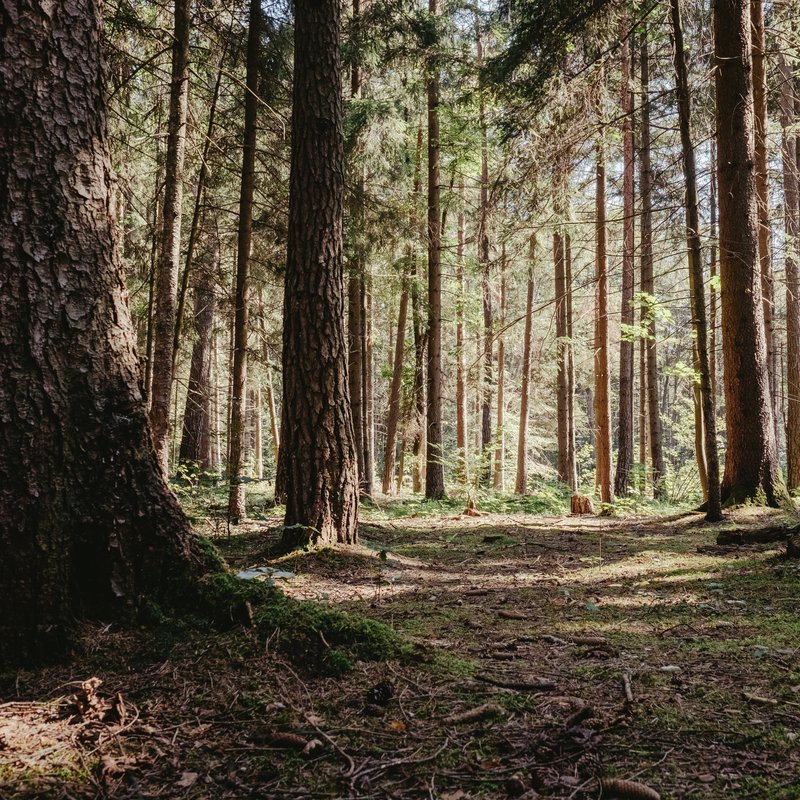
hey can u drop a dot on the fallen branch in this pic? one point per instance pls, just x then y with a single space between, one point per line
626 685
626 790
474 714
520 686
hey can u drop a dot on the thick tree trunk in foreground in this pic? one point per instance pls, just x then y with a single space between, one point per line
317 446
707 446
166 285
625 430
792 229
88 526
602 378
751 465
236 456
434 466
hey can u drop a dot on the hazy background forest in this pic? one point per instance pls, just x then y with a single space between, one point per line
518 156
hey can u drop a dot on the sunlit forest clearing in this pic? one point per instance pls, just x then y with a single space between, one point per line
399 399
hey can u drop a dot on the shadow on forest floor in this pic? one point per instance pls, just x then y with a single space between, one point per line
549 652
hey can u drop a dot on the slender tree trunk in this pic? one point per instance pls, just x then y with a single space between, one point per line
648 284
572 463
521 485
236 496
602 378
625 430
486 289
318 448
151 299
194 228
367 368
562 380
500 450
88 526
762 194
792 229
461 368
393 417
751 463
712 312
708 417
258 443
196 443
434 475
170 250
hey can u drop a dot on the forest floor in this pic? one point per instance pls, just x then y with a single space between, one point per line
545 653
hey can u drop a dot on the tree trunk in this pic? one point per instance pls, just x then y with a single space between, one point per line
521 485
170 251
258 438
625 431
562 381
196 442
368 412
486 289
434 475
792 229
461 367
602 378
194 228
88 526
648 284
708 445
759 74
318 449
393 417
236 496
751 466
355 371
500 450
712 303
572 465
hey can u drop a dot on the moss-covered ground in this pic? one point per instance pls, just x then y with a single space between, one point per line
446 656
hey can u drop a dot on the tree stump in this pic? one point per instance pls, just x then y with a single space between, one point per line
581 504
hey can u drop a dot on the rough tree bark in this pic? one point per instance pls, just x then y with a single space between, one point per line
318 443
759 74
707 445
196 442
498 479
521 485
602 377
648 283
166 279
562 421
461 354
434 466
625 429
792 229
236 445
751 466
88 527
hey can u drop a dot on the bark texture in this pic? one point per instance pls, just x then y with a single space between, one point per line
625 423
88 526
238 410
707 444
317 445
521 484
751 464
792 230
166 278
434 466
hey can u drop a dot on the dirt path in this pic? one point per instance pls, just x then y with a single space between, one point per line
548 653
